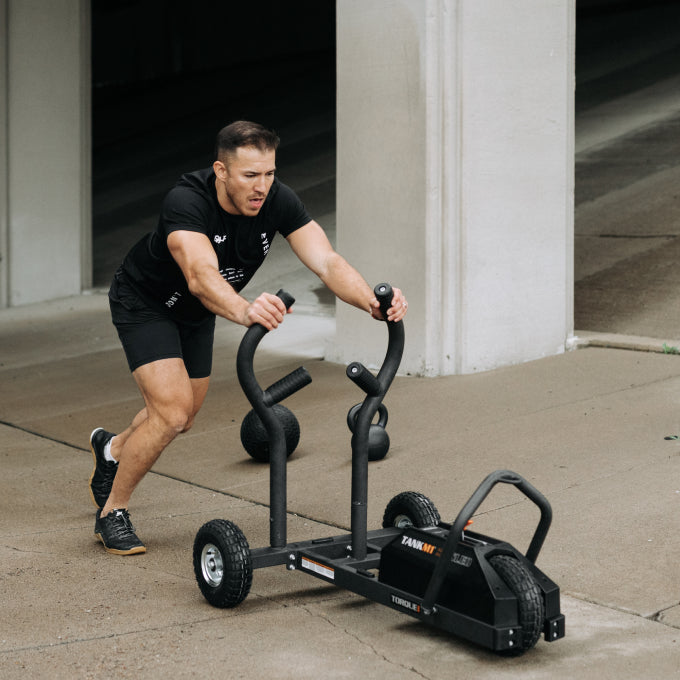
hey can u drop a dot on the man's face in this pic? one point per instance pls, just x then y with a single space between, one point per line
244 180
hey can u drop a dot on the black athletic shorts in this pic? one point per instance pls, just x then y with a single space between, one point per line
148 335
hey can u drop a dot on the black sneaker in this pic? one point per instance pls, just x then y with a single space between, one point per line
116 532
104 471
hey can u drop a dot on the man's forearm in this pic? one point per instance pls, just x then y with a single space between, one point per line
217 296
346 283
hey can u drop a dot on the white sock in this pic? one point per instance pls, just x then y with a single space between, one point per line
107 451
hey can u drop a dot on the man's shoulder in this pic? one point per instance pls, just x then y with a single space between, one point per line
285 209
193 189
190 205
281 195
201 182
281 190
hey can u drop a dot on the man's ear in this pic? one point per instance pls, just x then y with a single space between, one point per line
220 170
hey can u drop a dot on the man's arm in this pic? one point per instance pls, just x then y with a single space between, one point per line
197 260
315 251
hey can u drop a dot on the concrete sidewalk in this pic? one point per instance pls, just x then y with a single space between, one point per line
586 428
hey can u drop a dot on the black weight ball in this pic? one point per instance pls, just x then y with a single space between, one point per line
254 435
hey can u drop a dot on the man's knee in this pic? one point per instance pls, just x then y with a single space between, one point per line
183 416
171 407
173 419
187 425
179 420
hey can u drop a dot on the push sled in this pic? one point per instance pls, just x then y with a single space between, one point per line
478 588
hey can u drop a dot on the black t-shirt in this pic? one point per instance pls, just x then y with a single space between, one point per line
241 243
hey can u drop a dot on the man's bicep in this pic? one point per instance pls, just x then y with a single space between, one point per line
190 249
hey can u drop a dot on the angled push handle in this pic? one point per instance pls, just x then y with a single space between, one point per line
281 389
262 402
358 373
375 388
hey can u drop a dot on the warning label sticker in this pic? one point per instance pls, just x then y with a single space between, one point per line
317 567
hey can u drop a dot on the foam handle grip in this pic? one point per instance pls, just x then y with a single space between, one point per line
362 377
286 386
286 298
383 293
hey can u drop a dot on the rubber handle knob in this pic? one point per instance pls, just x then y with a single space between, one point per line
363 378
384 294
286 298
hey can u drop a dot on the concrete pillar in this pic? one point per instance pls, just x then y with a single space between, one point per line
455 176
4 213
46 223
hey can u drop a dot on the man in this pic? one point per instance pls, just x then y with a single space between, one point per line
214 231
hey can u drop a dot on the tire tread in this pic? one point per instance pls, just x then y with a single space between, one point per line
418 507
238 569
531 610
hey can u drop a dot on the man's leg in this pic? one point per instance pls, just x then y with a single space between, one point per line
172 400
199 388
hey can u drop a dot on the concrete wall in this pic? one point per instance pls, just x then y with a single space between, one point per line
4 172
45 241
455 169
4 214
455 175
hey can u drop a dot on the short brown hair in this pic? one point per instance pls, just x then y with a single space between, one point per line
244 133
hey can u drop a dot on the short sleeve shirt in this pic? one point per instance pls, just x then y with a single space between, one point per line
241 243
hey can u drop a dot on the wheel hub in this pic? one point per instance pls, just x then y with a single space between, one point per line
403 522
212 565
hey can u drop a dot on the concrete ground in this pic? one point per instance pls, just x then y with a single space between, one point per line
587 428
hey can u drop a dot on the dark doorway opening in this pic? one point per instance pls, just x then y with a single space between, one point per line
627 205
168 75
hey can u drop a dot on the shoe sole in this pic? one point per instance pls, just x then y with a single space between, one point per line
94 470
137 550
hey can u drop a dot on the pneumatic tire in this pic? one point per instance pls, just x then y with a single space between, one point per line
222 563
530 606
410 508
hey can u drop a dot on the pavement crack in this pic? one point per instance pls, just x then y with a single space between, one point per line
660 616
364 643
65 641
641 236
656 617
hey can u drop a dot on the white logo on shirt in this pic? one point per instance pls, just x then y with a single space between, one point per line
173 298
231 275
219 239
